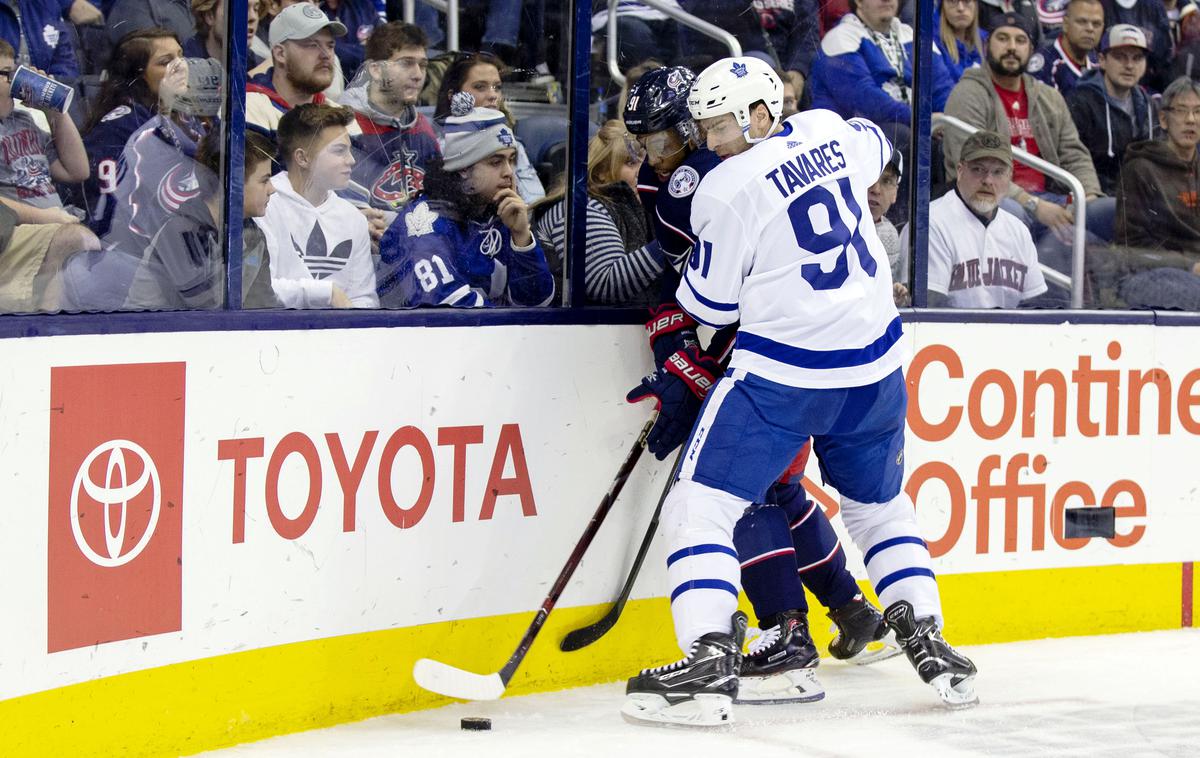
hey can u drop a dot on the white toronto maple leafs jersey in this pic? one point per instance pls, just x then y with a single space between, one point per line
786 245
315 247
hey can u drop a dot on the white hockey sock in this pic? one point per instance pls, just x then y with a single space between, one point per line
896 557
702 565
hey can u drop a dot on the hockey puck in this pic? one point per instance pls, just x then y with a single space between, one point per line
476 724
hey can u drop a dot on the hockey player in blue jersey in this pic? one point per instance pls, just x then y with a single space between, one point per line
786 540
785 248
466 240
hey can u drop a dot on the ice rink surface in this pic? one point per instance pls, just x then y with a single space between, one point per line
1126 696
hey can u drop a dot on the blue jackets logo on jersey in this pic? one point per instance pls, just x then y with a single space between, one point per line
683 182
177 187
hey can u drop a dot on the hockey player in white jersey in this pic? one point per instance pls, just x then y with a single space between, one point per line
786 247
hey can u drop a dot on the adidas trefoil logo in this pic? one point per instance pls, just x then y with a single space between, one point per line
322 262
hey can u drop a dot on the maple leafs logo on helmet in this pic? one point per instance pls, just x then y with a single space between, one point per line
735 85
739 70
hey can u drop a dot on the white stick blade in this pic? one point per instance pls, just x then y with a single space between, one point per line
451 682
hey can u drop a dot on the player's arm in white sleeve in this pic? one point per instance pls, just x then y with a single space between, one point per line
871 148
720 260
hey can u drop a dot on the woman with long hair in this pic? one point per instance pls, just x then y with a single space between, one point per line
127 100
622 266
958 37
480 75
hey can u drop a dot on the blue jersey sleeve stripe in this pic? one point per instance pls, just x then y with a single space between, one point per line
687 552
821 359
896 576
893 542
703 584
711 304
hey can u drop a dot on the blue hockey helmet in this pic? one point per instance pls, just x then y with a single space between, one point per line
658 101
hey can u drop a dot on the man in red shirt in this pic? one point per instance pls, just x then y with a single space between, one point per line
1002 97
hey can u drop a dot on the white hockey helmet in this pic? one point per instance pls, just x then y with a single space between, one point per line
733 85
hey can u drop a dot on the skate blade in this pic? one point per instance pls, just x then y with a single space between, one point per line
797 686
880 650
956 696
706 710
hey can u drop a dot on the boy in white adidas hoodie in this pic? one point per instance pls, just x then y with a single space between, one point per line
319 243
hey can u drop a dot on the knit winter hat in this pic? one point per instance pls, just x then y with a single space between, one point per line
473 134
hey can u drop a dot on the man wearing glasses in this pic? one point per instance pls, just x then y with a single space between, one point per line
1158 203
980 255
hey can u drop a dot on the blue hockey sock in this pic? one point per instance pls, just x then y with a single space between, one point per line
768 561
819 557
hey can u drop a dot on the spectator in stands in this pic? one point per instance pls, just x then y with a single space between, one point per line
1151 16
183 265
1177 11
980 255
302 54
269 9
864 67
128 99
478 74
127 16
643 33
34 244
157 171
791 27
880 197
1158 202
958 36
40 29
1063 61
31 160
1187 54
1109 108
622 266
257 190
793 90
321 247
1002 98
395 142
209 40
466 240
360 18
1050 16
990 10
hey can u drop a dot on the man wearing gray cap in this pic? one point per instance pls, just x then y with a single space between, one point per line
980 255
303 65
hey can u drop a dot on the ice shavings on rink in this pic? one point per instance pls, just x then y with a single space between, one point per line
1127 695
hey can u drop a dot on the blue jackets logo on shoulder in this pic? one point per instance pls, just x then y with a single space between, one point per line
683 182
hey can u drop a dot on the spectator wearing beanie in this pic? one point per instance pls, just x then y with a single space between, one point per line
466 240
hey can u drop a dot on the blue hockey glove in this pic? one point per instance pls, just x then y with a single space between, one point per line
678 388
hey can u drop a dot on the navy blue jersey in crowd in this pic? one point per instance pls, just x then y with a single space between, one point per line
669 204
157 175
390 161
430 258
105 145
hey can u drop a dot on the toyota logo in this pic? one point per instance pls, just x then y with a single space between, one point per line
114 494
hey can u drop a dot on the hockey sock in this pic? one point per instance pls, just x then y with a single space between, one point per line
896 557
768 561
702 564
820 560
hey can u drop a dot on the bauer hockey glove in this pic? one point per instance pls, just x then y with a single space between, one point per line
669 330
678 388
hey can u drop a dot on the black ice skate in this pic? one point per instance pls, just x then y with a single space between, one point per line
782 662
696 691
861 636
951 673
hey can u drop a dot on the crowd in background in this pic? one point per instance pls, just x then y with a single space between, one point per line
383 170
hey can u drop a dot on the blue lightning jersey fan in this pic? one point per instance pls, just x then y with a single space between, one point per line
786 244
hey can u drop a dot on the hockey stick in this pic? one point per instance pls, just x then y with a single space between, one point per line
584 636
465 685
